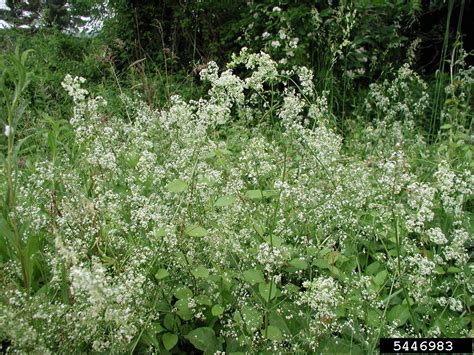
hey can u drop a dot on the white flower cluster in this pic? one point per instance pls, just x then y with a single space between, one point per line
272 258
457 249
436 236
322 295
453 188
420 200
404 98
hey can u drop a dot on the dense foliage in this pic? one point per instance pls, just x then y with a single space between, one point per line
309 192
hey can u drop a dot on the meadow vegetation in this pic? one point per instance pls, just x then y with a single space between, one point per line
276 201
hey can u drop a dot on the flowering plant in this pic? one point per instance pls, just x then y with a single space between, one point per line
237 222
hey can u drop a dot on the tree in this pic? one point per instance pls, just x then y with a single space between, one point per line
60 14
57 14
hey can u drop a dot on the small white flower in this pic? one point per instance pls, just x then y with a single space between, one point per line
7 130
276 9
437 236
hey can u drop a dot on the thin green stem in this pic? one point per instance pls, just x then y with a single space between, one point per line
442 63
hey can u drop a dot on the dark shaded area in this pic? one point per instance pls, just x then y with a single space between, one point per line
430 28
180 33
184 34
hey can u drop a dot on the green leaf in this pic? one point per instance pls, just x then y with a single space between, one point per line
183 309
183 292
399 313
204 300
162 274
200 272
156 328
267 290
453 269
204 339
270 193
300 264
171 321
259 228
260 194
149 338
372 268
273 333
349 264
182 304
224 201
254 194
273 240
194 230
373 317
338 273
176 186
321 263
169 340
253 276
24 56
185 314
379 279
278 321
252 318
217 310
292 288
